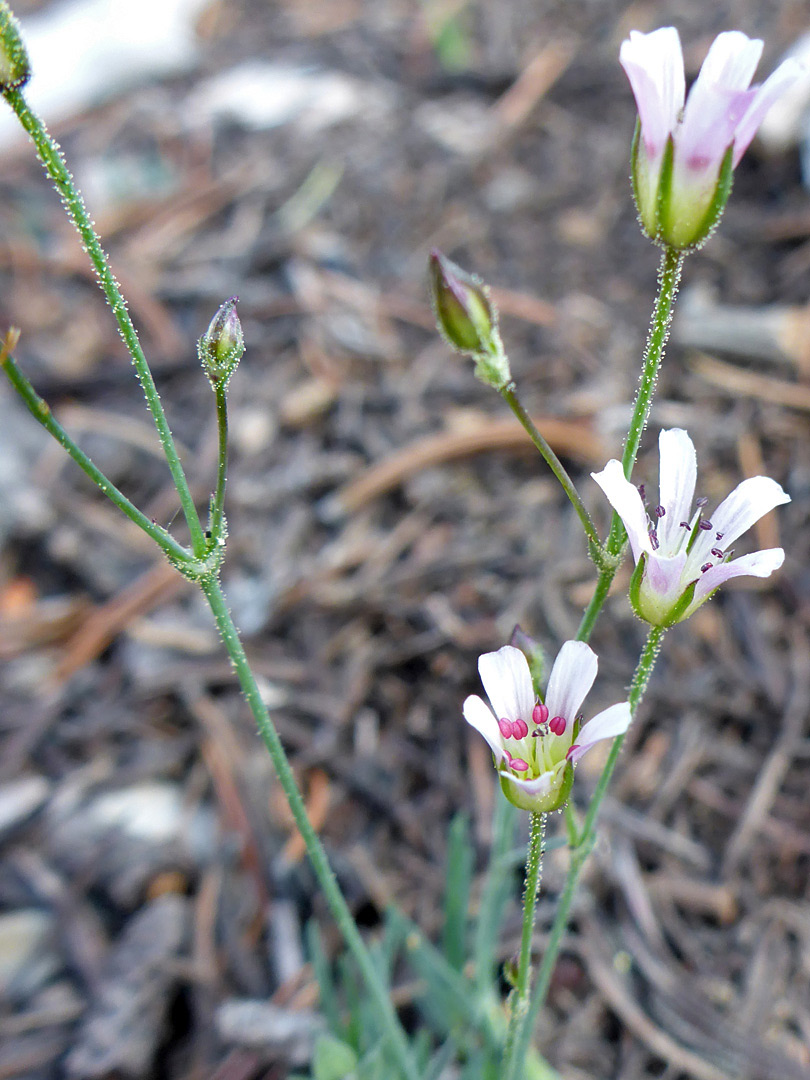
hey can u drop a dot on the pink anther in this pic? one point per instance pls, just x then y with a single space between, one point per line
520 729
571 750
505 728
540 713
557 724
518 764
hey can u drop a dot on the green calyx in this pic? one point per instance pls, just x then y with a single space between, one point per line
15 70
645 607
675 212
539 804
222 345
468 319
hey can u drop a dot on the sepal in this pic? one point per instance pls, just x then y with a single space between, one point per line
15 70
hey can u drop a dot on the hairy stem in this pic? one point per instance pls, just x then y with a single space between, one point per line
51 157
509 395
317 855
579 855
534 870
669 276
217 516
41 412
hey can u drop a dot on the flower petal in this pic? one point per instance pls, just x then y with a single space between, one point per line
540 785
778 83
626 501
718 100
508 683
759 564
676 487
571 678
605 725
479 715
654 65
730 62
664 576
747 503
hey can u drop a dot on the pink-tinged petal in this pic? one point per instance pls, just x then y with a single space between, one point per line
605 725
717 102
654 65
747 503
540 785
759 564
676 486
709 125
777 84
508 682
479 715
571 678
626 501
730 62
663 575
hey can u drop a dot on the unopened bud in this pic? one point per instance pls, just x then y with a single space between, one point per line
15 70
222 345
468 319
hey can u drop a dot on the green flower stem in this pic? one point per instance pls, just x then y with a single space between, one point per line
588 621
534 871
56 167
579 855
320 863
669 277
217 517
510 397
41 412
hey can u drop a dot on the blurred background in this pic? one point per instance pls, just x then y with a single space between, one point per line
388 522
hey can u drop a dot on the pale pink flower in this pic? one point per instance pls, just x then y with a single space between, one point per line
682 556
680 205
536 744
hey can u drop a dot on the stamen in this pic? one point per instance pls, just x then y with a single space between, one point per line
702 501
705 525
660 511
571 749
654 540
557 724
518 764
706 566
520 729
685 525
718 554
505 727
538 733
718 536
642 492
540 713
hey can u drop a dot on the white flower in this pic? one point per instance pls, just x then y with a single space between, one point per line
681 200
682 556
536 744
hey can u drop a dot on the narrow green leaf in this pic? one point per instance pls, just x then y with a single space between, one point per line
323 976
457 891
498 886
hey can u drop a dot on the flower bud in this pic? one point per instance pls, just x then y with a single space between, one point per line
222 345
15 70
468 319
